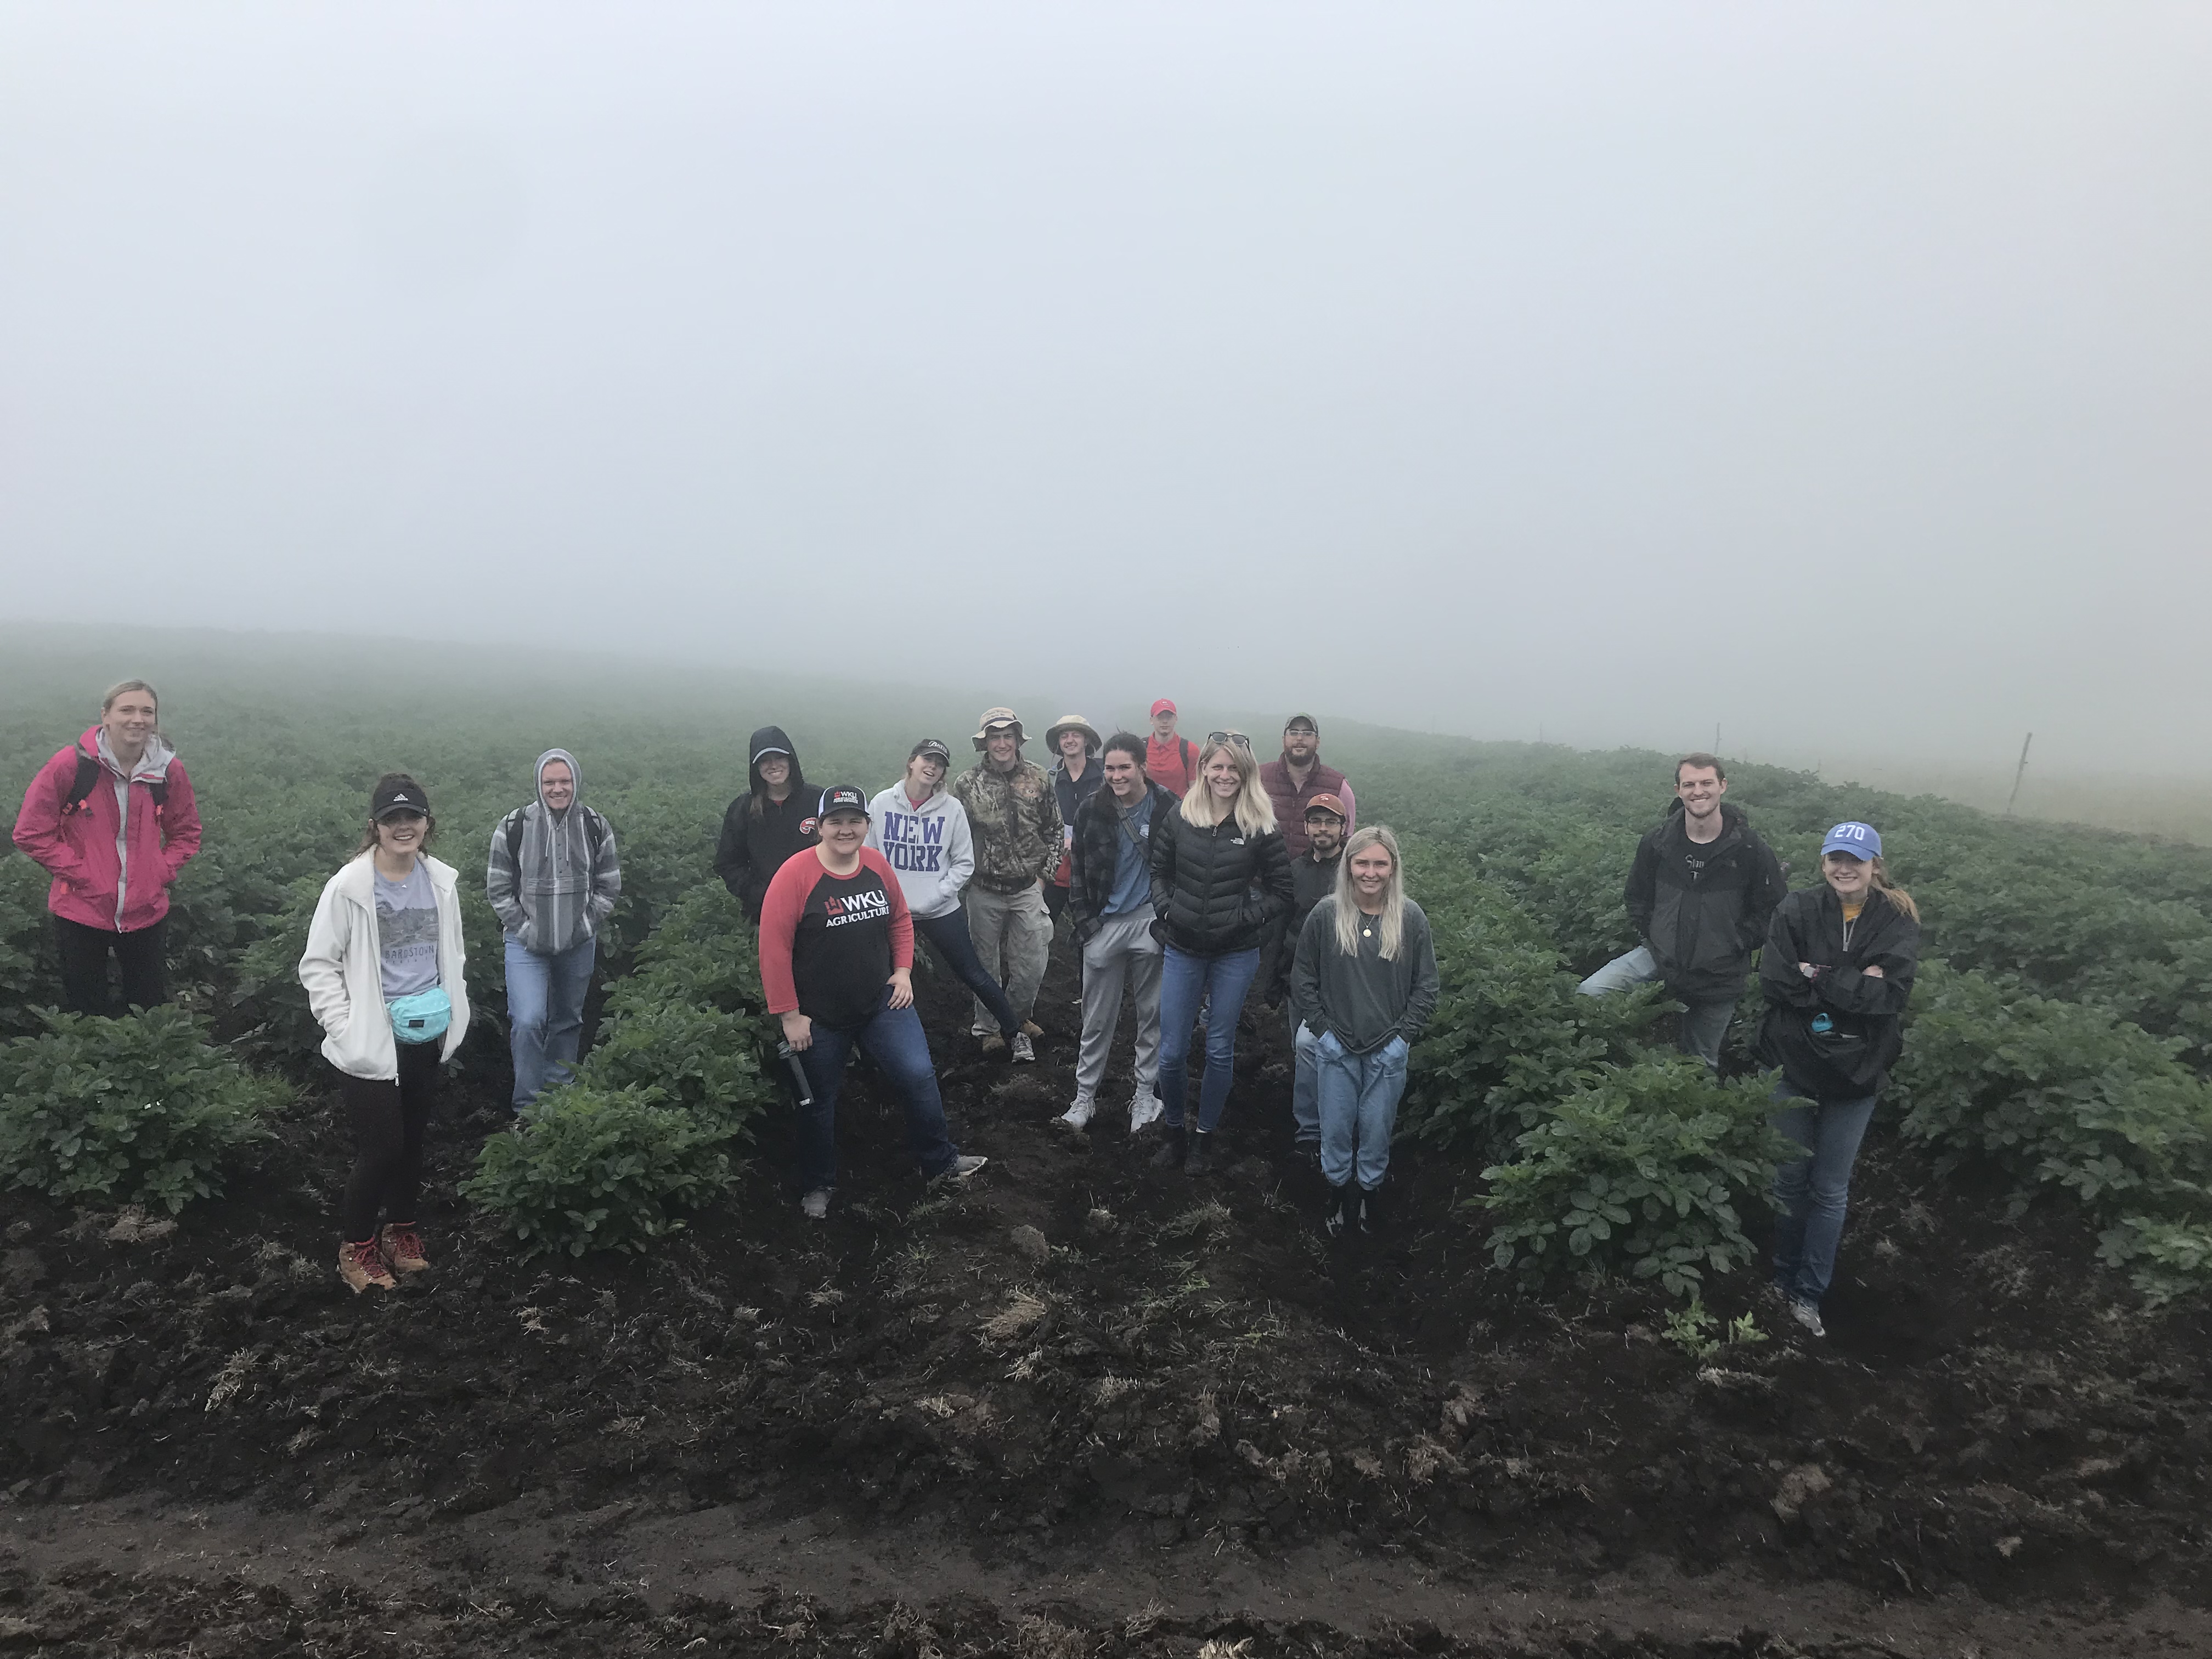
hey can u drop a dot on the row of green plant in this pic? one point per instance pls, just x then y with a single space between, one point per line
644 1134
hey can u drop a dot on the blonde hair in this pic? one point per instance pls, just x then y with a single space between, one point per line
107 702
1391 923
1897 896
1255 814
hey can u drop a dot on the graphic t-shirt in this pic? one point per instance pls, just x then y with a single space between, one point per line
829 944
407 932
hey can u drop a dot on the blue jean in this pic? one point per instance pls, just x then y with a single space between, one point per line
1702 1026
1305 1084
1811 1193
949 940
892 1037
1359 1109
545 1013
1185 981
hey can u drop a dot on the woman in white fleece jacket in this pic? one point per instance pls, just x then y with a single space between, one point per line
922 833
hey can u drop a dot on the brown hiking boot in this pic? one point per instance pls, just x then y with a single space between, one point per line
994 1044
361 1266
402 1249
1031 1029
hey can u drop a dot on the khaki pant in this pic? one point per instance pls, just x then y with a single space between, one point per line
1122 950
1013 936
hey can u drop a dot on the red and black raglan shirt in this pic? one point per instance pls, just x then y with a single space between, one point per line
829 943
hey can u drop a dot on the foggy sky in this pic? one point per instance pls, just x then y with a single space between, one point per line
1838 374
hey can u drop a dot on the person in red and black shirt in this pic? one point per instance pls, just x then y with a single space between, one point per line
836 953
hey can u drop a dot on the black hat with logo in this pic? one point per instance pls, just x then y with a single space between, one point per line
395 795
842 799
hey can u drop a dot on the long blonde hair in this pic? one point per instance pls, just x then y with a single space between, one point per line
1255 814
1880 881
1391 923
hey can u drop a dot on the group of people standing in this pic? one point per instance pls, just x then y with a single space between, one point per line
1185 872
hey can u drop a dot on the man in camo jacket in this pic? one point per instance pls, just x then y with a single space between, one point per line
1015 819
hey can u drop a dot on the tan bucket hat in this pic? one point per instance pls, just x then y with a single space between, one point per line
1072 723
998 717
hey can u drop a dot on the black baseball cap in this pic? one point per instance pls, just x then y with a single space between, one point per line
398 795
936 747
843 798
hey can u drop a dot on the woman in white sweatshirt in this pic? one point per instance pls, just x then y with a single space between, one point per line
922 833
383 975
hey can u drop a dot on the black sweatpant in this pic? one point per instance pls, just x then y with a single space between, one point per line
388 1121
83 951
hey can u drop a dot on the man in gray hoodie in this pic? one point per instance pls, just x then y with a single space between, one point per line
553 878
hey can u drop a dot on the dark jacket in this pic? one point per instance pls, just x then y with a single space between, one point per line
1098 853
1703 925
1215 890
1851 1059
759 833
1311 881
1072 793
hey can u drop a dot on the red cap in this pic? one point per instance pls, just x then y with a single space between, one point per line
1325 802
1164 707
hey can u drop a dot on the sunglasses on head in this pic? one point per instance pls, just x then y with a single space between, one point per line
1237 738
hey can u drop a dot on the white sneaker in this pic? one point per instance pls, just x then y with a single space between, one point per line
1808 1315
960 1168
1145 1111
1021 1049
1078 1116
816 1204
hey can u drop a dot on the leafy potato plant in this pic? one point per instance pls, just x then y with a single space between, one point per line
141 1109
1640 1171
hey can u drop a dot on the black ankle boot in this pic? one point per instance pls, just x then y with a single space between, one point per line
1333 1217
1371 1211
1200 1160
1170 1152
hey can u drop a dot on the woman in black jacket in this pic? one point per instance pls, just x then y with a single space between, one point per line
1220 874
768 823
1836 973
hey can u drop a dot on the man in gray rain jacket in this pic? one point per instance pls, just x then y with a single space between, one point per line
553 878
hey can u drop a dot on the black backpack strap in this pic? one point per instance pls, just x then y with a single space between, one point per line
89 770
595 832
511 826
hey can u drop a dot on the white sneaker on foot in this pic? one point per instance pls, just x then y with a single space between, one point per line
816 1204
1078 1116
1808 1315
960 1168
1145 1111
1021 1048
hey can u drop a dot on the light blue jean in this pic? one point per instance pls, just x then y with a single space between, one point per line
1359 1098
1812 1193
1185 981
545 1013
1305 1084
1702 1027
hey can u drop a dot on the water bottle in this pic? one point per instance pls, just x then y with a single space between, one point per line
799 1071
1822 1024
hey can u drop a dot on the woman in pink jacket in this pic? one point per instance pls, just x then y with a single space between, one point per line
111 819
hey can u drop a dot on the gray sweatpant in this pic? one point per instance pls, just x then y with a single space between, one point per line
1122 951
1012 934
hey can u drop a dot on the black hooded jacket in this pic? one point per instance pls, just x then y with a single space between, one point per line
1864 1012
759 833
1215 890
1704 920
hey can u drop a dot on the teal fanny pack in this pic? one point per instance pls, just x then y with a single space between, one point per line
421 1018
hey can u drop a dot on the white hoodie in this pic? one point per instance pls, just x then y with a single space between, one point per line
928 845
343 971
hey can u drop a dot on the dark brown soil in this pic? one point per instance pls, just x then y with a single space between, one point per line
1165 1372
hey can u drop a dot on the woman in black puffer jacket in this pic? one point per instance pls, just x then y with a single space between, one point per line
1219 876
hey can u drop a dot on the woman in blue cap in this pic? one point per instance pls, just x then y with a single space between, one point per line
1836 973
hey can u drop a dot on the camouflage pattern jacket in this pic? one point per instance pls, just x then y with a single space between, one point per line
1015 818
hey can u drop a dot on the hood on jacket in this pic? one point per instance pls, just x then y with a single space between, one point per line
1732 818
153 764
769 737
538 775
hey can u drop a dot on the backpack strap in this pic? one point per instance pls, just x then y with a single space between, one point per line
89 773
595 832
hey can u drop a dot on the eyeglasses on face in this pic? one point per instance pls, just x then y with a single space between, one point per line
1237 738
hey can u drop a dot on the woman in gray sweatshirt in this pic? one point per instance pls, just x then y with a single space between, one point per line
1366 984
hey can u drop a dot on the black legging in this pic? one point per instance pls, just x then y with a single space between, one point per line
388 1120
83 951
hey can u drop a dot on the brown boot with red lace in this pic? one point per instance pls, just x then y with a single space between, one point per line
403 1248
361 1266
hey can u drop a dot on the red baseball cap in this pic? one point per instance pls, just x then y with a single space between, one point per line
1325 802
1164 706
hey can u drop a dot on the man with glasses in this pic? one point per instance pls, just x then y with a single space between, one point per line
1292 782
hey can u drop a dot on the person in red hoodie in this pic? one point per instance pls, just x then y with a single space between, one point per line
111 819
836 959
